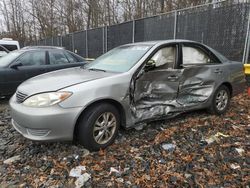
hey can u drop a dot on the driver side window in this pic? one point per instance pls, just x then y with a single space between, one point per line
35 58
165 58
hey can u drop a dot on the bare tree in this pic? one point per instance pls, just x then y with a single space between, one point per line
27 20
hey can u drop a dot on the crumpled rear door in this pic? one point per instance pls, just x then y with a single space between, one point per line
197 84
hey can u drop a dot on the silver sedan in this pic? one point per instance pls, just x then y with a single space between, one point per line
129 85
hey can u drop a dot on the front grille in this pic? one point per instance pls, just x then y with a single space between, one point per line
20 97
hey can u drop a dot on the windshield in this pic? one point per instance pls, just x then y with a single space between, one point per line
7 59
120 59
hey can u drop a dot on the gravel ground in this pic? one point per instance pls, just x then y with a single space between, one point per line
193 150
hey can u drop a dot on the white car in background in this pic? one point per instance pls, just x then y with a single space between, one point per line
3 51
7 45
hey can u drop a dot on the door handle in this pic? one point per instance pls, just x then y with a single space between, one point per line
219 71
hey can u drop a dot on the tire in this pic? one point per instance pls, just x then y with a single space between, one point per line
106 131
222 96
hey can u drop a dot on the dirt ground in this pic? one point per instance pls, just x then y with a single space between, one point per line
193 150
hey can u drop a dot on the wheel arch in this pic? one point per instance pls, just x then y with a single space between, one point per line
115 103
229 86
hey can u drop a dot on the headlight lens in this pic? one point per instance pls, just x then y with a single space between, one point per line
46 99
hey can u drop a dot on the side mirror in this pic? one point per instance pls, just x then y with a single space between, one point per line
150 64
16 65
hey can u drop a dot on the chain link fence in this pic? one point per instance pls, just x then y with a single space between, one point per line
222 26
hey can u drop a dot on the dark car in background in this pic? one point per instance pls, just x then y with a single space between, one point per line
20 65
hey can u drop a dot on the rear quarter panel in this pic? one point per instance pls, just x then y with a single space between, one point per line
236 76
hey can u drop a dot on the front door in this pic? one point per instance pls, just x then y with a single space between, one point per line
156 87
32 64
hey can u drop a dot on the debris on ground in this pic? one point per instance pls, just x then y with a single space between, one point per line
79 173
169 147
206 151
240 150
215 137
82 179
235 166
113 170
12 159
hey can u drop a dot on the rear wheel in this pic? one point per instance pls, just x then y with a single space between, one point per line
98 127
221 100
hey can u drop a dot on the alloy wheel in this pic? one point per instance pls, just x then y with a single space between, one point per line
221 100
104 127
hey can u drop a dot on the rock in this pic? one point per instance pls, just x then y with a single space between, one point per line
162 161
240 150
128 183
120 180
188 176
12 159
23 185
113 170
147 177
169 147
140 127
235 166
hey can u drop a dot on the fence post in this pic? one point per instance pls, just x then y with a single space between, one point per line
133 35
87 51
103 40
73 42
247 42
106 34
175 23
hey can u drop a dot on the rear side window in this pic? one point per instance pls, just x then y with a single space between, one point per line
57 58
32 58
70 57
193 55
77 57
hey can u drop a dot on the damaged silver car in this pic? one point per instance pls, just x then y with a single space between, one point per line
127 86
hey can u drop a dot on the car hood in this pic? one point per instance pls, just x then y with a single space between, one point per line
57 80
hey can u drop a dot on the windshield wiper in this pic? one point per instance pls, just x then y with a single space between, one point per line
94 69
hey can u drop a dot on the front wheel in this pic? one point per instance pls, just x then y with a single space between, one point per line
98 127
221 100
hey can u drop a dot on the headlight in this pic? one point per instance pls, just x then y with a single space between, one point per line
46 99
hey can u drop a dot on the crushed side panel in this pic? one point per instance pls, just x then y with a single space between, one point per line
153 96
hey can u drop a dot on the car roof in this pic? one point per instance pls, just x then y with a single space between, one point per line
10 42
43 47
159 42
162 42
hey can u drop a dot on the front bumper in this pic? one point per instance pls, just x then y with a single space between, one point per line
44 124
